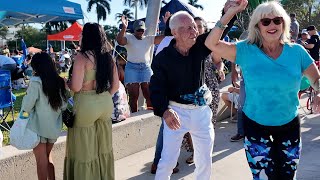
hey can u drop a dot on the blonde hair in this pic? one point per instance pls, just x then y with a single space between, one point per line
264 9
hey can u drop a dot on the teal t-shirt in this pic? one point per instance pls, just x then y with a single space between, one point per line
272 86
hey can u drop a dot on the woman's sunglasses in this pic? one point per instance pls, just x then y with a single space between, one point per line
267 21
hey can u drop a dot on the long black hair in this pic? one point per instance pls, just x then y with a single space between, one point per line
167 30
94 41
53 85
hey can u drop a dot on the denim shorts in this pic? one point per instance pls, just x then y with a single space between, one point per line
137 73
47 140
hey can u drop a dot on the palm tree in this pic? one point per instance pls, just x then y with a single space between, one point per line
126 13
194 4
135 3
57 26
3 32
102 8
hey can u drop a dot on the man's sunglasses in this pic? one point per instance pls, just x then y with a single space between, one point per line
140 30
267 21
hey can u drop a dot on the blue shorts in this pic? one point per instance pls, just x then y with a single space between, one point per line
137 73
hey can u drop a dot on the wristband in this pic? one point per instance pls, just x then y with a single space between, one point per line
220 25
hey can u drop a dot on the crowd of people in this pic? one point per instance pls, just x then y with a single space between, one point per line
180 85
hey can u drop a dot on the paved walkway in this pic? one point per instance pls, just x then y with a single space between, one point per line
229 162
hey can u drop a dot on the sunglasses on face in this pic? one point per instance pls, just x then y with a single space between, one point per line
140 30
267 21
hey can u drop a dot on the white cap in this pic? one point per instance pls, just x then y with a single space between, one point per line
304 31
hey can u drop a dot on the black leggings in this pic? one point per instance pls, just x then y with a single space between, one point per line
272 152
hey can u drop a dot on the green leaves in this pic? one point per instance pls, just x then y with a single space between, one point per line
252 4
102 8
195 4
132 3
307 11
125 12
111 32
31 36
3 32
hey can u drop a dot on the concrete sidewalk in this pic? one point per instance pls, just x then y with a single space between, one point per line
229 161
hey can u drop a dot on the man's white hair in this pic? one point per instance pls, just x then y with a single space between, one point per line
175 19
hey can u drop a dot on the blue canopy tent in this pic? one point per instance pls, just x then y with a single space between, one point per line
16 12
173 6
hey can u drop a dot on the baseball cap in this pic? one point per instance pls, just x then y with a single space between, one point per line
310 28
138 24
304 31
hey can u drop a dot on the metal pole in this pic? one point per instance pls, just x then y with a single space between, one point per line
135 9
152 18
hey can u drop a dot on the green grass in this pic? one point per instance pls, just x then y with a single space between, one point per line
17 106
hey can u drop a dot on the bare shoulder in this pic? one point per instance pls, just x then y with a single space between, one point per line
80 58
84 58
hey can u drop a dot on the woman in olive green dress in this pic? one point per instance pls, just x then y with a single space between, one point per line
89 153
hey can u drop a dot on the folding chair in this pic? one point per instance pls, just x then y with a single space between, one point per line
18 60
6 101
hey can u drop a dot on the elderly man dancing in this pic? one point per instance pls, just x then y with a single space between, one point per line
181 98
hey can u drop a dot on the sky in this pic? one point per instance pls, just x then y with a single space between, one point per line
212 9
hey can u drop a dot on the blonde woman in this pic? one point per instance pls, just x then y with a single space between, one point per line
272 68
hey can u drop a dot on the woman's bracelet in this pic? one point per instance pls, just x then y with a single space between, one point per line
220 25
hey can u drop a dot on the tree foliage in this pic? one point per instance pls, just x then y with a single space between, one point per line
125 12
132 3
3 32
195 4
307 11
164 2
244 16
32 37
102 8
111 32
56 26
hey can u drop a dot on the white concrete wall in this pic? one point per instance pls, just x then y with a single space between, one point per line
133 135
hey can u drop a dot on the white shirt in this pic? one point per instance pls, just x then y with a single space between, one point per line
139 50
62 59
6 60
164 43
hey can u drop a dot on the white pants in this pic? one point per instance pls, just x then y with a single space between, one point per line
198 123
